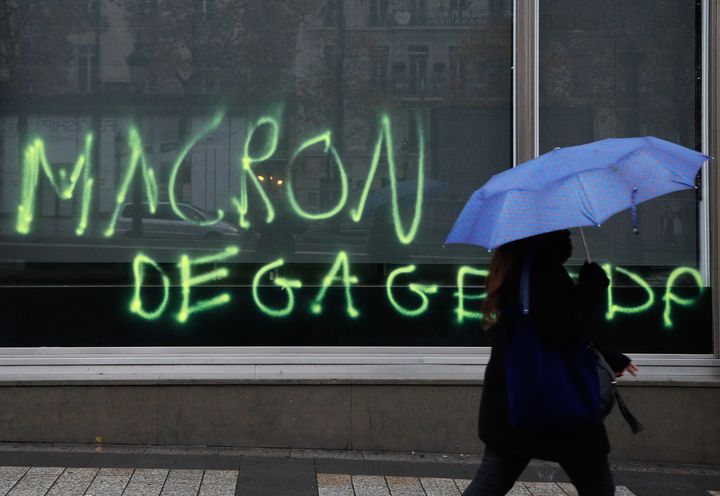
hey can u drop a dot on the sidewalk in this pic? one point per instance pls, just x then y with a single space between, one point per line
108 470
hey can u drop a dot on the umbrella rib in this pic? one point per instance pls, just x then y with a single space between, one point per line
587 201
497 219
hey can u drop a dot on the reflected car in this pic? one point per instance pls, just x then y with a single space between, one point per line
165 223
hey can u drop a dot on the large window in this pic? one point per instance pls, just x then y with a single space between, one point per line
235 150
285 172
617 69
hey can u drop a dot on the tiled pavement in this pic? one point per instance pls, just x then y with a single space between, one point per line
55 470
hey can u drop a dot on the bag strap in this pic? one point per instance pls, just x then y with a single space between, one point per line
635 425
525 283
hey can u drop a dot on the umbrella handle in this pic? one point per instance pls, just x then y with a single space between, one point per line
584 242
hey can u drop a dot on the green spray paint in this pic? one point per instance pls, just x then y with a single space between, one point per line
341 263
187 280
614 308
249 161
670 297
136 306
422 290
385 136
136 157
34 160
461 312
325 139
285 284
210 127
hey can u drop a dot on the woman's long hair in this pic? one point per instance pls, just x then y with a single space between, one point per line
502 288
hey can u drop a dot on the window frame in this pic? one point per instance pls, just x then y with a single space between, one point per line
403 364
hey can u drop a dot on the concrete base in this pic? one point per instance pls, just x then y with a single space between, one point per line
682 422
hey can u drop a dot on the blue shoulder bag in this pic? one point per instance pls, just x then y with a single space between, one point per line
547 387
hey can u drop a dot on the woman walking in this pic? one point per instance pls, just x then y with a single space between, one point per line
561 313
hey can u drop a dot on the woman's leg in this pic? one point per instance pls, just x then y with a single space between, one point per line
496 475
590 477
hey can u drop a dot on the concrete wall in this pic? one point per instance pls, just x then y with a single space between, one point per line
682 422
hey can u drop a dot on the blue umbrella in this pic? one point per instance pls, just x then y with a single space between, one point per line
574 187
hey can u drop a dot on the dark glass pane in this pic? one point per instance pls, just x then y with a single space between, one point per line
613 68
158 100
260 130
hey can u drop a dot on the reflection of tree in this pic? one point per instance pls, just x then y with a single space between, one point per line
36 48
210 46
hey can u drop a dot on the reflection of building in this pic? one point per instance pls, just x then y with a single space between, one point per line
417 61
416 58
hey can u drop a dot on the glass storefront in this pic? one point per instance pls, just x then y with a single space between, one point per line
213 172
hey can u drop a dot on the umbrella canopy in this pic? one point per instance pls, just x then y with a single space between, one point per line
574 187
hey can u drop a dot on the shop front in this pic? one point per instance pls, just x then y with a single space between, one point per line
223 223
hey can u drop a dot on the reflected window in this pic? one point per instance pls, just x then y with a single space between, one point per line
637 82
417 58
457 64
379 60
418 11
207 9
92 8
378 15
333 11
87 68
147 8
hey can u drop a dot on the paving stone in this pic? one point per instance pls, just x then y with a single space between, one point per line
329 454
257 485
219 483
370 485
294 476
405 486
623 491
439 487
73 482
142 489
116 472
569 488
146 482
544 473
394 456
462 484
334 485
9 476
667 491
288 466
257 452
544 489
110 483
518 489
43 459
182 483
126 460
204 462
36 481
408 469
351 467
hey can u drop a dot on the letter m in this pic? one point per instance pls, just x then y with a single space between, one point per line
35 161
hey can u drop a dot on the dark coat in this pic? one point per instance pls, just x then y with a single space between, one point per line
563 314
